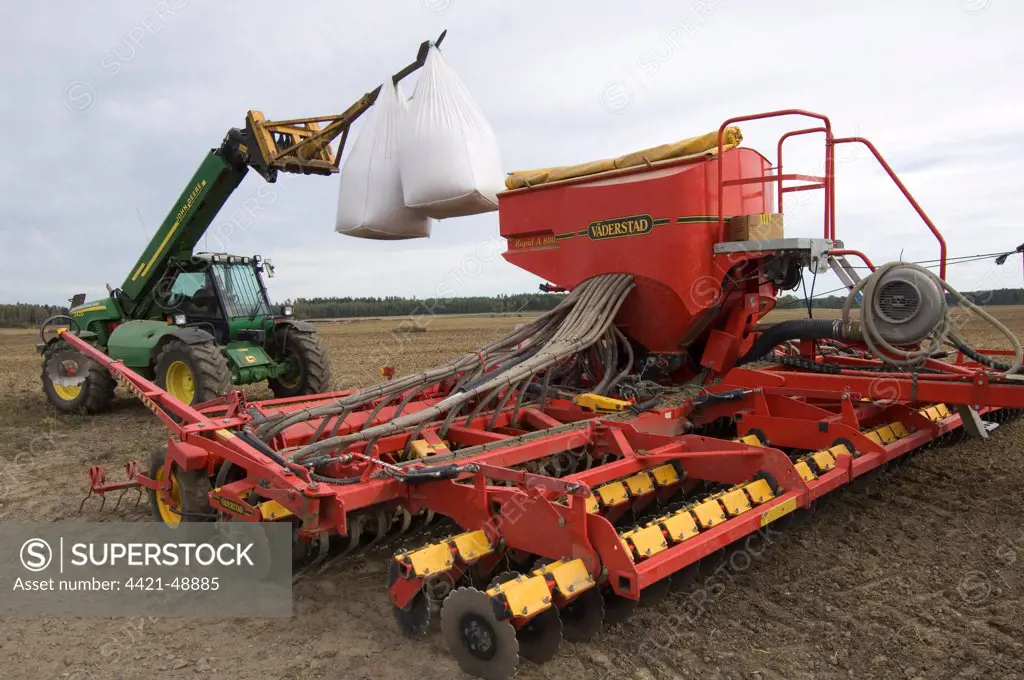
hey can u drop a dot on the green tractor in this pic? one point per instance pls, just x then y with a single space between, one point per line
196 323
212 327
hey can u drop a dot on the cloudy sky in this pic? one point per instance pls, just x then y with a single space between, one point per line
109 107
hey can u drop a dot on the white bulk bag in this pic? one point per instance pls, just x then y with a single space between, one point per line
449 158
370 203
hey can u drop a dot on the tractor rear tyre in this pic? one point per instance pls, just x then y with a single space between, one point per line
92 396
311 372
188 499
192 373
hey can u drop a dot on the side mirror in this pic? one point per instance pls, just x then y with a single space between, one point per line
269 268
77 299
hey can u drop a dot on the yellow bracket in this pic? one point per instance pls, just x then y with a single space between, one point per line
647 542
598 403
665 474
626 546
421 448
804 470
886 434
612 493
935 413
824 460
709 513
272 510
760 491
639 484
472 545
841 450
570 577
679 526
735 502
431 559
525 596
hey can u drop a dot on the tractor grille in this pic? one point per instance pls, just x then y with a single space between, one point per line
898 301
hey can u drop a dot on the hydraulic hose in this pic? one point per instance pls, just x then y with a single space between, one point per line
796 329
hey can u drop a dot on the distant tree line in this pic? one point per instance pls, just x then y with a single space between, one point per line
23 315
347 307
1000 296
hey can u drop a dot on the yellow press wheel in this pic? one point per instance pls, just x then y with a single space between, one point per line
188 499
192 373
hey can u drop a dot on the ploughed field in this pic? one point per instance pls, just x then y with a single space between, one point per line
919 575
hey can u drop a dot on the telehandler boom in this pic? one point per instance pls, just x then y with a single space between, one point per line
197 323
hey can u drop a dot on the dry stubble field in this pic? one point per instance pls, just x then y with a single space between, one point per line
917 576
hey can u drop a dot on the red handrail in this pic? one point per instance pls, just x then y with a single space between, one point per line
828 181
829 193
856 253
826 124
906 193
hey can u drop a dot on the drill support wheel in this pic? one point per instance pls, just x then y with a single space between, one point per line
188 499
483 645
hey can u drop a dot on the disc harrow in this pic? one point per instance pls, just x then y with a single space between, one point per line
527 615
624 444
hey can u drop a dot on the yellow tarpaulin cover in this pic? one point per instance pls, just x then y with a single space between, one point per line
687 147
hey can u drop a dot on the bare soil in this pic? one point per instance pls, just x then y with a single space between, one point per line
918 575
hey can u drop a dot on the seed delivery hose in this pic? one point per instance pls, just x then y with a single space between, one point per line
582 321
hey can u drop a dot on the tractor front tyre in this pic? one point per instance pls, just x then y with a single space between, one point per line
93 395
192 373
188 499
310 367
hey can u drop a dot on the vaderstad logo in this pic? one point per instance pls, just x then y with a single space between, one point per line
634 225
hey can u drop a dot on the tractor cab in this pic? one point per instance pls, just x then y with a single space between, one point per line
222 294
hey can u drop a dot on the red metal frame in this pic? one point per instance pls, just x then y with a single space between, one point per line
834 404
784 407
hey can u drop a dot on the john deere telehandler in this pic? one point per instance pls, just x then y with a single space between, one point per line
199 322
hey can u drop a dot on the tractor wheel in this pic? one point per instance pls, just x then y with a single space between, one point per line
188 499
312 368
92 396
192 373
